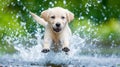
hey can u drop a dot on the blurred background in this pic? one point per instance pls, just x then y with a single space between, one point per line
96 21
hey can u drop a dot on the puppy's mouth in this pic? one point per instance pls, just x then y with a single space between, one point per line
57 29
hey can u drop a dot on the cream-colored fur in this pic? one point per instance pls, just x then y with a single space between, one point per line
55 20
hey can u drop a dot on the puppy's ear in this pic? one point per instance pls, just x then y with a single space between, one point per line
70 16
45 15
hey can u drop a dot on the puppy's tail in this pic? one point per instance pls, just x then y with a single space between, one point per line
38 19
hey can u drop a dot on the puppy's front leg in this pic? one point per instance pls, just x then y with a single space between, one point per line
65 43
65 46
47 42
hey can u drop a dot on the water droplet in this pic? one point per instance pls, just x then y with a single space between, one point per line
104 7
86 12
105 18
17 16
51 3
81 5
12 3
88 29
81 17
23 23
55 2
103 14
24 8
2 9
87 5
99 1
64 2
18 0
87 9
91 17
45 0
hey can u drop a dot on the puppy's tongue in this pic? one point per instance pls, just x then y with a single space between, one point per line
57 29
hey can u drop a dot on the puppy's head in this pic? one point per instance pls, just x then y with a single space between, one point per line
57 18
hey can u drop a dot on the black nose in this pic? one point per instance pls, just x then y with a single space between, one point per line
58 24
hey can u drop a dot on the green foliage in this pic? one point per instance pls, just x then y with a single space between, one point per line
9 26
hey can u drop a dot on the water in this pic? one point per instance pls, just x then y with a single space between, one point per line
81 55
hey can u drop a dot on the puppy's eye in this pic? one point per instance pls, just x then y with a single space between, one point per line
63 17
53 17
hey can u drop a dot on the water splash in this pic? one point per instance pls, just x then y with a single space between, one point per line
33 56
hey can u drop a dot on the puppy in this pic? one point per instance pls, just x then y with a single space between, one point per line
55 20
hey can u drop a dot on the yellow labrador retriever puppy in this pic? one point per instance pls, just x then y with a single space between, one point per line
55 20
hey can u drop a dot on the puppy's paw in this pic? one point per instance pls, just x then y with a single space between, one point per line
65 49
45 50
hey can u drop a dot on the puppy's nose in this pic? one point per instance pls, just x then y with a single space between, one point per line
58 24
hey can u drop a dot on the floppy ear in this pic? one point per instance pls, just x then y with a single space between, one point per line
45 15
70 16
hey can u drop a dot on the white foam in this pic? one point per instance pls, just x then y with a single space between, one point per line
74 57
